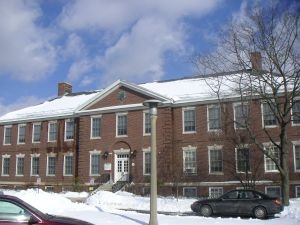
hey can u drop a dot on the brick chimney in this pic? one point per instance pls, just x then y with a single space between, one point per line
64 88
256 61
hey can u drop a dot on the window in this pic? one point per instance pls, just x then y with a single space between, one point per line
214 117
273 152
20 165
189 160
297 192
215 192
274 191
147 123
215 159
52 131
35 164
21 133
189 120
13 214
146 161
68 164
122 124
36 132
190 192
242 160
96 127
269 119
296 113
51 164
7 135
69 129
240 115
297 157
94 163
5 165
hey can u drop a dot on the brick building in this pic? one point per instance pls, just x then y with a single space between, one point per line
81 140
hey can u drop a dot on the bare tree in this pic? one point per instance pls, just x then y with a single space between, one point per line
263 47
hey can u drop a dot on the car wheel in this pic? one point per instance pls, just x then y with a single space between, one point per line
205 210
260 212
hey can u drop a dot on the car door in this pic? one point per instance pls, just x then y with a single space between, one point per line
11 213
246 202
227 204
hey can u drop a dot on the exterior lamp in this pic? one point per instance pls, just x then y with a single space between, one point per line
152 105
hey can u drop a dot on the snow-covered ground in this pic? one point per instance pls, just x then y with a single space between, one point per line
105 208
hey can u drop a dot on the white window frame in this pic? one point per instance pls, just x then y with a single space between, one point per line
146 151
92 125
266 158
51 155
220 118
295 143
183 120
236 159
20 156
145 112
211 148
33 132
4 157
49 125
295 124
117 124
23 126
68 154
95 153
192 169
263 119
213 190
237 104
4 135
71 120
31 164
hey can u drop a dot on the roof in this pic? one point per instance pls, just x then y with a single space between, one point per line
185 90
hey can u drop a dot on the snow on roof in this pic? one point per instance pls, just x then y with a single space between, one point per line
61 106
193 89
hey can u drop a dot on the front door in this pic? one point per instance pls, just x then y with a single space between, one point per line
122 167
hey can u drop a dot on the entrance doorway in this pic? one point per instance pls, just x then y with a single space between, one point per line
121 166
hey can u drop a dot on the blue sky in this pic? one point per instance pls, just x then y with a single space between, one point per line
92 43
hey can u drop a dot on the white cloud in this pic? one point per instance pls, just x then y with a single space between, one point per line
78 69
140 33
75 47
26 52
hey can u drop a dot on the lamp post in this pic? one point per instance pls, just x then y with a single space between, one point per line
152 104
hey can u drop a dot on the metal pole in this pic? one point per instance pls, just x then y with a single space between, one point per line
152 104
153 197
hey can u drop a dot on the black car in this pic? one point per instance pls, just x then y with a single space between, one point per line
15 211
239 203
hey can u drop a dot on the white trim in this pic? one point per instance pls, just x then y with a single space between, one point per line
33 129
146 150
6 156
51 154
65 133
234 105
262 117
207 117
294 155
215 147
268 145
18 156
64 166
35 155
23 125
92 153
52 122
4 133
144 122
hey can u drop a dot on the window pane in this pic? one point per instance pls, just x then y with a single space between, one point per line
68 165
189 120
69 129
95 164
214 117
296 112
52 131
20 166
216 161
122 125
241 115
21 138
270 165
297 157
268 115
96 127
147 163
5 166
51 165
243 160
36 132
147 125
189 161
35 161
7 135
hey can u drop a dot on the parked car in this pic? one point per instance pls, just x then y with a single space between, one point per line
15 211
239 203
